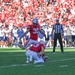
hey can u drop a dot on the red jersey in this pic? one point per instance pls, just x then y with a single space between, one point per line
36 47
33 31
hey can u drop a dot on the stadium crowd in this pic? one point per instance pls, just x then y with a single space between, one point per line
15 15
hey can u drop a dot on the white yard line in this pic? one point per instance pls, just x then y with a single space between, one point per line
14 65
62 66
39 65
11 55
62 60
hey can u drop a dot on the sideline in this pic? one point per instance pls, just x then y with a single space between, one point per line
63 60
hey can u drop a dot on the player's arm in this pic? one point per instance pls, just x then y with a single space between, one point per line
62 31
41 53
52 30
24 34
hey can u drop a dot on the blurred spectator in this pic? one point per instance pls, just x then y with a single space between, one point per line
69 36
41 36
20 32
13 12
73 35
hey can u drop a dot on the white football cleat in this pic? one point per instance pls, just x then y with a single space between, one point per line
27 62
38 62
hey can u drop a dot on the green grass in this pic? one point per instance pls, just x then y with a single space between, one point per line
12 62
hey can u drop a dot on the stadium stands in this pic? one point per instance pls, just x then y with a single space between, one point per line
20 12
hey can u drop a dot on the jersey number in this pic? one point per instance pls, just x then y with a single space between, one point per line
35 31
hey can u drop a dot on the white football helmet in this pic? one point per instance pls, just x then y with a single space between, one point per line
35 21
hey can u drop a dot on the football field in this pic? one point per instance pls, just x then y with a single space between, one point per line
13 62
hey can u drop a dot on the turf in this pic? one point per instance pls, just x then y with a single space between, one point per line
13 62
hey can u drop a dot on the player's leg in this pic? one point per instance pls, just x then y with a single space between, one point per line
0 41
29 56
29 42
6 42
19 45
61 44
55 42
41 60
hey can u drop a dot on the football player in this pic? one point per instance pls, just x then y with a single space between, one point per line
36 52
33 30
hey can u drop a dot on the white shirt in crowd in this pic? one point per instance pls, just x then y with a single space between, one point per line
73 30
